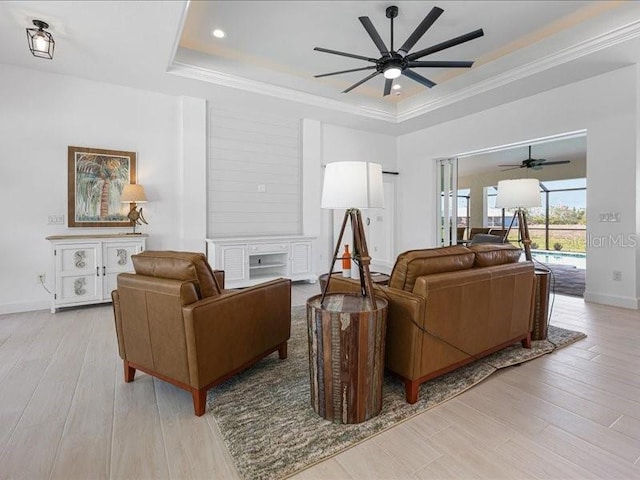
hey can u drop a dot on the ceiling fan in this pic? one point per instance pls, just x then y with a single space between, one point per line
394 63
534 163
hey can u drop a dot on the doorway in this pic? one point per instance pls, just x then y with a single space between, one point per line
558 227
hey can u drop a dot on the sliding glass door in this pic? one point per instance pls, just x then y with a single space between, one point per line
447 201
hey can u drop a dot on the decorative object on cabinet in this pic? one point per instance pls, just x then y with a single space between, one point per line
251 260
41 42
85 267
96 179
132 194
519 194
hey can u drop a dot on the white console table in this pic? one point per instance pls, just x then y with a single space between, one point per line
248 261
86 267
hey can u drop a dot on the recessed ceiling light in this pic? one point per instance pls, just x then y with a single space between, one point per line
397 87
218 33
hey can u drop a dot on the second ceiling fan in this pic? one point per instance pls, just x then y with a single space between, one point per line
394 63
534 163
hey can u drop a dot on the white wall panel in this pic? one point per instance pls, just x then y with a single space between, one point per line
250 151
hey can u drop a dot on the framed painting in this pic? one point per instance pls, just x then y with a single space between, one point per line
96 178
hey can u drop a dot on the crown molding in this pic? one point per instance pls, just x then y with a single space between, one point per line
587 47
233 81
581 49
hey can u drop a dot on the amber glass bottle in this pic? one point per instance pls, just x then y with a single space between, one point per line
346 262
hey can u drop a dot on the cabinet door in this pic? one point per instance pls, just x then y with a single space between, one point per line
116 259
300 258
234 262
78 276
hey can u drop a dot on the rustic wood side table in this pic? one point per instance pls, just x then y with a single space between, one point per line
346 356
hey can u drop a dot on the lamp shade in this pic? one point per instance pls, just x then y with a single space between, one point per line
352 185
521 193
133 193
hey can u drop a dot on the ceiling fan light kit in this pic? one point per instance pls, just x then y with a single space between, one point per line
392 64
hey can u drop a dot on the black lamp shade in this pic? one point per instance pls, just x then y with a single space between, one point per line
41 42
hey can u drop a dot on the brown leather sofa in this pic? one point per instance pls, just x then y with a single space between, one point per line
450 306
175 321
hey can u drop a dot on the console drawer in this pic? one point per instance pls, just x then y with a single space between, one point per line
268 248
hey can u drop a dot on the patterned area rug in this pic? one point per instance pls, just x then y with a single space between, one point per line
267 422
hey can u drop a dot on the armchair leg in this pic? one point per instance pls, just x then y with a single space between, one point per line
129 372
199 400
282 350
526 342
411 388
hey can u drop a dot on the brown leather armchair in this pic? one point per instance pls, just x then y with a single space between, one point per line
175 321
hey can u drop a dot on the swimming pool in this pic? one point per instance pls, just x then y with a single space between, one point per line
577 259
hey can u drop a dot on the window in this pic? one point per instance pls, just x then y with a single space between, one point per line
558 224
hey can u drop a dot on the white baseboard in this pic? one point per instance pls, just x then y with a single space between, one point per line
20 307
613 300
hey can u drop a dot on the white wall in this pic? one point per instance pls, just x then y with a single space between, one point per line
40 116
347 144
193 179
606 106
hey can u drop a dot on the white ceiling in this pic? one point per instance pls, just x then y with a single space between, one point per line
166 46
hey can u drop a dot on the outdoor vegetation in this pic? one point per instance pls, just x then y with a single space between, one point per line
567 228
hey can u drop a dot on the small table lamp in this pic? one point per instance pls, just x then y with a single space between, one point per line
132 194
519 194
351 186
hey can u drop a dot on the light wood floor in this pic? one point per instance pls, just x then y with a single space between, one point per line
66 413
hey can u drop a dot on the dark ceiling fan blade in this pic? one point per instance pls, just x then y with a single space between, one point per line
344 54
420 30
444 45
511 165
387 86
558 162
365 79
345 71
442 64
511 168
418 78
375 36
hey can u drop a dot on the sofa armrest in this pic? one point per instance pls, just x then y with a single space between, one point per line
227 331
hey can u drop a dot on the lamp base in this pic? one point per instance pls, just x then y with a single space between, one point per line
361 258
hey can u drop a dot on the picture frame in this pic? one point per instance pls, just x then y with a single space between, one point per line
96 178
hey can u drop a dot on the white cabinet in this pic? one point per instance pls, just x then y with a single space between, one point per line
85 267
249 261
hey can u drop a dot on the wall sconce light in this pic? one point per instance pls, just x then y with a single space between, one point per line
132 194
41 42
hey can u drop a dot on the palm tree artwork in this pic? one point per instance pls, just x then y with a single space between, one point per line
99 183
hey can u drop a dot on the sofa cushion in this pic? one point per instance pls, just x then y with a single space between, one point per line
416 263
489 254
178 266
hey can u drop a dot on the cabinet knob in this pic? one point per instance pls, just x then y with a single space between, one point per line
97 271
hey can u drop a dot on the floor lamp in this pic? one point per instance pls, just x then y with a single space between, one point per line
519 194
352 186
